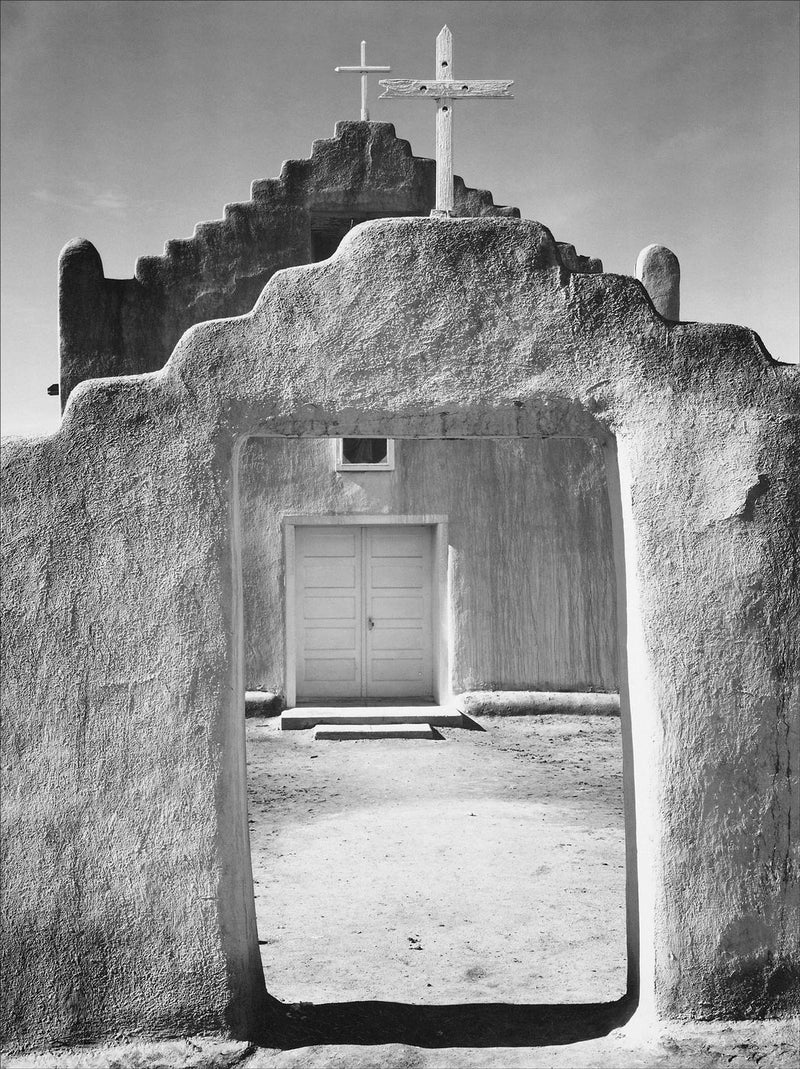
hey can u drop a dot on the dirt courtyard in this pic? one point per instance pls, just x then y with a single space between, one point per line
487 867
444 905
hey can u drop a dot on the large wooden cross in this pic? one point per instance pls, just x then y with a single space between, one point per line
444 89
363 70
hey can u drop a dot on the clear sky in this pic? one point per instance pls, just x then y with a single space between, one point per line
633 122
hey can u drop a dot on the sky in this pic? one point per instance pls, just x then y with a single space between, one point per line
633 122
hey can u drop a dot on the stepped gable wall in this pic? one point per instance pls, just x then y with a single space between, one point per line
126 326
111 326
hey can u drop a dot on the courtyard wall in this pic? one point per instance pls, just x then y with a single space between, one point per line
127 886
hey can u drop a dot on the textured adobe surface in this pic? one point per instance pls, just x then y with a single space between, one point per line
125 326
679 1046
531 592
114 326
127 886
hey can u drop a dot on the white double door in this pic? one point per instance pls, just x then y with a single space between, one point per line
363 604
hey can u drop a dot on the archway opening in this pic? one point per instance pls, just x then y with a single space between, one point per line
486 869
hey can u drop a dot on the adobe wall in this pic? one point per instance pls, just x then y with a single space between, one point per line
126 326
110 326
128 893
532 595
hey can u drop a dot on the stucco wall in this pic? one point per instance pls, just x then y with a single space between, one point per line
125 326
110 326
114 326
532 597
128 894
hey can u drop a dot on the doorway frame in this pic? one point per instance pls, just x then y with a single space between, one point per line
440 615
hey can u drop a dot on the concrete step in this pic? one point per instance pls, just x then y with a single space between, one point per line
308 716
341 732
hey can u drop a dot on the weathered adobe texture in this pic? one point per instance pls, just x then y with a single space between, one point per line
128 891
126 326
112 326
531 593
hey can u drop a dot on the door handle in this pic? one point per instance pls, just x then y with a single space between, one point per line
370 623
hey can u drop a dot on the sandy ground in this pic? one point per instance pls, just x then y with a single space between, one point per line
447 905
745 1045
487 867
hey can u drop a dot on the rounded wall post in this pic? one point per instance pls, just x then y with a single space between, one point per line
658 270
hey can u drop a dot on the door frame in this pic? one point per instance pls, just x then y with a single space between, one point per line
440 631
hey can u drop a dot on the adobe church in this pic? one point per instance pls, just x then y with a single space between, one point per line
336 447
372 568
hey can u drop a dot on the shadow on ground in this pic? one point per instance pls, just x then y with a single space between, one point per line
467 1025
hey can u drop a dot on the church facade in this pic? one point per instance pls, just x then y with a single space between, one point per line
506 542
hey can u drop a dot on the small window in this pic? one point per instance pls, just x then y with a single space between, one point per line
364 454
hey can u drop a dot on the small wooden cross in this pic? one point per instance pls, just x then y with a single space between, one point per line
444 89
363 70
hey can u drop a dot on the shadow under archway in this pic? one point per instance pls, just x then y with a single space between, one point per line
290 1026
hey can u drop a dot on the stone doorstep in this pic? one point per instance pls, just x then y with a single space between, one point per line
341 732
430 715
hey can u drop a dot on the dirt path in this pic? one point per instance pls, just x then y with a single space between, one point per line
485 868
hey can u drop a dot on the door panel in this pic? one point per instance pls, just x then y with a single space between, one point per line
332 573
364 612
331 541
329 670
396 541
329 618
398 660
398 576
330 638
326 608
399 609
396 671
396 638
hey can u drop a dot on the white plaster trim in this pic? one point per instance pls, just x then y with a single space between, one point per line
439 608
340 464
636 714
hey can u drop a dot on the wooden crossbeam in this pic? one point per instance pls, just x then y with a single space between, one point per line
444 88
455 89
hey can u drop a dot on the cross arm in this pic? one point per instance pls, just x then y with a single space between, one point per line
457 89
363 70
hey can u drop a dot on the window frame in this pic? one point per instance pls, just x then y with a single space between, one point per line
342 465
